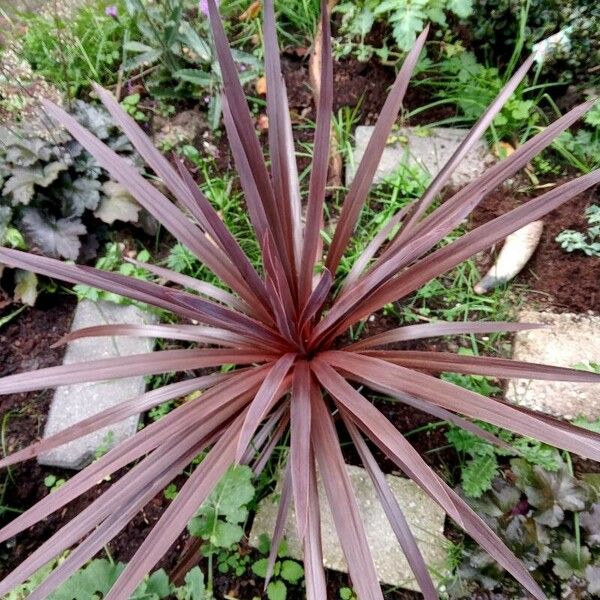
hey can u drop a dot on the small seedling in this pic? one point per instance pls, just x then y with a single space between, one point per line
131 104
587 242
52 482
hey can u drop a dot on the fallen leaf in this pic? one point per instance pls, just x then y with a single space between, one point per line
261 86
251 12
502 149
26 289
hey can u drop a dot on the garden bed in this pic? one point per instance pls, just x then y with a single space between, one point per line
553 280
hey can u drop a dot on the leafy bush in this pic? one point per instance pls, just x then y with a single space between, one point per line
462 81
407 20
495 23
280 333
181 52
72 50
582 149
547 519
286 572
52 187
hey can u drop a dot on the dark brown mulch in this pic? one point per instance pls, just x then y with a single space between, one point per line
559 281
25 345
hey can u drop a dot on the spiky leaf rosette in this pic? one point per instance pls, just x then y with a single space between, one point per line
281 327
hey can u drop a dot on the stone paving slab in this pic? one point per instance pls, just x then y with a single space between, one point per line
568 340
425 518
73 403
429 148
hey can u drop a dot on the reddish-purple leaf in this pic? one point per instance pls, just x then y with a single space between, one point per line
386 377
316 587
342 500
395 446
279 529
363 178
393 512
437 329
492 366
300 416
114 414
176 516
320 161
275 385
151 363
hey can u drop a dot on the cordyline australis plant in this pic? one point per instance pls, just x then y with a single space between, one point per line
281 328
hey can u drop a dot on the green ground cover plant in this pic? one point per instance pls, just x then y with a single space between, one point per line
549 519
587 241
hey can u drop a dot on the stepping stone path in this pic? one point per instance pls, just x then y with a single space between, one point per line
73 403
426 520
567 341
428 148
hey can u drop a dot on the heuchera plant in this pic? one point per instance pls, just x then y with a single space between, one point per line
283 330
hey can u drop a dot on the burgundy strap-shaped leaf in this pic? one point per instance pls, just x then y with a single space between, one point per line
440 413
342 500
482 237
371 250
282 156
219 404
241 129
151 363
350 310
185 190
261 437
385 376
262 459
295 197
393 512
363 178
432 229
256 210
122 492
181 303
451 213
189 333
279 529
131 492
154 202
300 417
316 300
202 287
95 541
173 521
456 208
320 161
279 289
492 366
275 385
159 164
399 450
115 414
316 587
437 329
474 135
223 236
